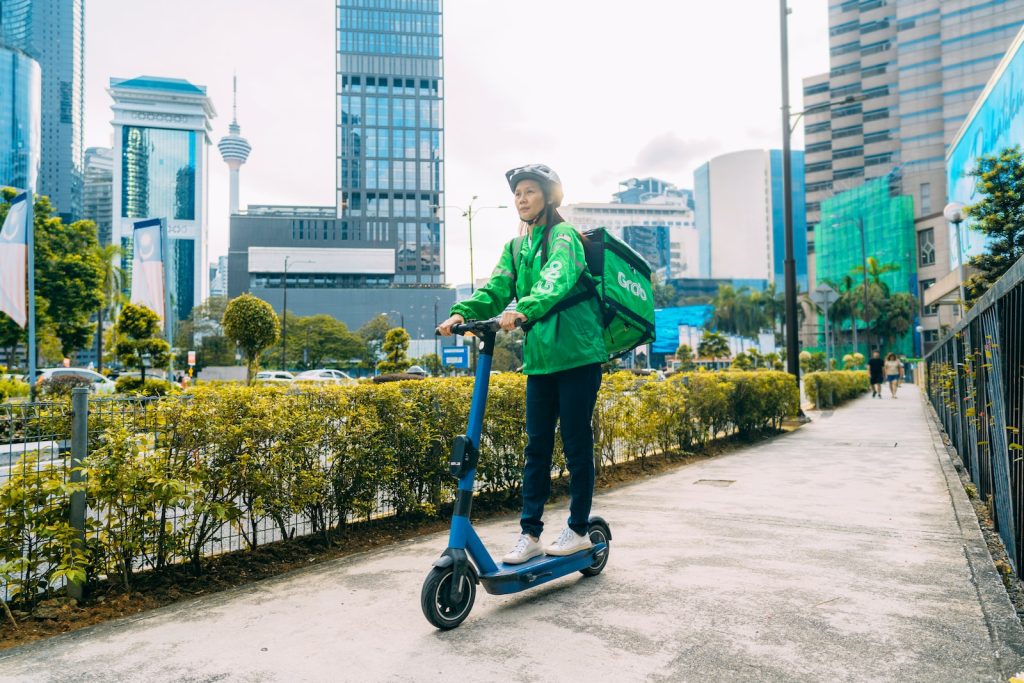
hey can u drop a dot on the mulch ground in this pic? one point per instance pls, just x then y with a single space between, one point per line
109 600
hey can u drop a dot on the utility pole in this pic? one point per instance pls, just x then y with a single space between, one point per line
792 343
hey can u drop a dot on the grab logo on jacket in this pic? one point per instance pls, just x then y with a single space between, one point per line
550 273
633 288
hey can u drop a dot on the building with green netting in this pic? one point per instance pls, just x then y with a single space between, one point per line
886 219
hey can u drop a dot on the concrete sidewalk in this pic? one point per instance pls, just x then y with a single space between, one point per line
846 551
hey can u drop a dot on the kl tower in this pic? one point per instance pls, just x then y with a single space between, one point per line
234 149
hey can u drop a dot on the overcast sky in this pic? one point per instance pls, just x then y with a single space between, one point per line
601 90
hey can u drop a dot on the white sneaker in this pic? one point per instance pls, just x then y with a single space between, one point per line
569 542
526 548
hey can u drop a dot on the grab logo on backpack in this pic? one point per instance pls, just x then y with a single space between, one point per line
633 288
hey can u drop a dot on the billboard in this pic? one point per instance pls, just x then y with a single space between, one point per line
995 123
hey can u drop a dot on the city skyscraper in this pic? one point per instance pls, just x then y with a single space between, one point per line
234 149
98 190
390 128
56 39
161 142
903 77
20 98
20 119
739 217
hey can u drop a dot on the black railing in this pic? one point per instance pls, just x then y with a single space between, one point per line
975 377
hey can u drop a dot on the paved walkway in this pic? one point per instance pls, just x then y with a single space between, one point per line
846 551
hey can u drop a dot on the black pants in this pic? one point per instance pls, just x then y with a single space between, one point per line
567 397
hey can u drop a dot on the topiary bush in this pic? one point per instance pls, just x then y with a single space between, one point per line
829 389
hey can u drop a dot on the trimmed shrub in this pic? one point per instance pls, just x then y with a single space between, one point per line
169 480
12 388
60 386
828 389
151 387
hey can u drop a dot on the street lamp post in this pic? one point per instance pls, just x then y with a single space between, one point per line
401 317
284 315
954 213
468 214
792 343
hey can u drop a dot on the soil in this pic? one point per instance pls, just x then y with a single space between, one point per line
109 600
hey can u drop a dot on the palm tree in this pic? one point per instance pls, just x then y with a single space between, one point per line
873 300
713 345
113 282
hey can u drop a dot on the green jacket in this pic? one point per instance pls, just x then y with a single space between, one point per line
565 340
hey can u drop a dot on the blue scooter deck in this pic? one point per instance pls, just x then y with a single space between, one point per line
512 578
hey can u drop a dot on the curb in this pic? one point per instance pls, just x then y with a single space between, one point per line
1004 626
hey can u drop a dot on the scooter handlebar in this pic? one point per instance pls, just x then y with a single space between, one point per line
477 326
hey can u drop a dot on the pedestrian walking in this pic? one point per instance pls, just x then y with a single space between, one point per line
893 372
876 371
562 354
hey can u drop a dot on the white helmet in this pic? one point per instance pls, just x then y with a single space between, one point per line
549 181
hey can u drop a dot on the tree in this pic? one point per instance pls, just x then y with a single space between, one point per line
372 333
999 214
320 340
139 329
396 343
684 354
665 295
713 345
252 324
202 332
68 274
738 311
896 317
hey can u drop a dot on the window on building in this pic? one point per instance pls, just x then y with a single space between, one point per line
931 336
926 247
927 310
926 199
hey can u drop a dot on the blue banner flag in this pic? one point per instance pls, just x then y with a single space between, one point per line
14 261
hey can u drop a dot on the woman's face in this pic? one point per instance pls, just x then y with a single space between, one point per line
529 200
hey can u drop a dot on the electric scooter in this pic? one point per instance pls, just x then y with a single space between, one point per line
450 588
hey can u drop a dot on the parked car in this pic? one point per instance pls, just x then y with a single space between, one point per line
417 370
328 376
100 384
274 377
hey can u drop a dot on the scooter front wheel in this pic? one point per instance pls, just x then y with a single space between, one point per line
436 599
599 533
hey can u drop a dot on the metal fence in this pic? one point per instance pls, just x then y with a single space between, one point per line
975 377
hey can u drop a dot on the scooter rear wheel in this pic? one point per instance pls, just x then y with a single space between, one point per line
598 534
435 598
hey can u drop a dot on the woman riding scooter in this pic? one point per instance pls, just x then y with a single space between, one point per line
562 354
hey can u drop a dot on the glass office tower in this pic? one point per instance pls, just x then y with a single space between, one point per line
161 140
390 131
19 119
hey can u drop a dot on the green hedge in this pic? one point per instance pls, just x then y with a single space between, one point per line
167 478
12 388
828 389
151 387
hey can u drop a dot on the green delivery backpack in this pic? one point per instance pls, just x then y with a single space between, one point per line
620 279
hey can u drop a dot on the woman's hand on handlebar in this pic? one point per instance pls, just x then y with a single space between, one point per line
510 320
445 328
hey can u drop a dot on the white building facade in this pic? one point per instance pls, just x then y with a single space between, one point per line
660 227
161 149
